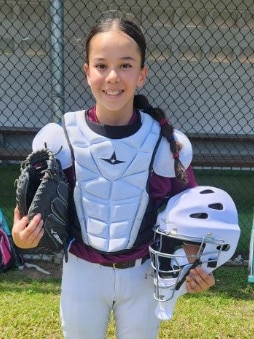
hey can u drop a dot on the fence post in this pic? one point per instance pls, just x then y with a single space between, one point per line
251 255
56 10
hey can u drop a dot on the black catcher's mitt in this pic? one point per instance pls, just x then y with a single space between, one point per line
42 188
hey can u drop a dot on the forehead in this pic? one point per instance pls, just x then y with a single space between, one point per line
113 42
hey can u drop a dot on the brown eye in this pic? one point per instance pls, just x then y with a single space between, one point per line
100 66
126 66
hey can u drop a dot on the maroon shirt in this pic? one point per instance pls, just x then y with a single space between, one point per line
160 188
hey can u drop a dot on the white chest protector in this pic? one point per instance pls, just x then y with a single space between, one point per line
110 193
111 176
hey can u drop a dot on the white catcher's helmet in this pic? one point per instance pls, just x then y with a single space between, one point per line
202 218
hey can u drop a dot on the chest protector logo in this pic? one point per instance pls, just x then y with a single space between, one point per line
111 176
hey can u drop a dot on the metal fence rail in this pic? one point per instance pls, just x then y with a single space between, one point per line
201 71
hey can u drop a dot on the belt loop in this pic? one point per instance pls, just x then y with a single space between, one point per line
138 262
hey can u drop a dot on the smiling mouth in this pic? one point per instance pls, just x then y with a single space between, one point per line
113 93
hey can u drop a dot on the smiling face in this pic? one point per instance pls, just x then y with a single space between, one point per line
113 73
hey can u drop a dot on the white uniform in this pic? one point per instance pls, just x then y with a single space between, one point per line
91 291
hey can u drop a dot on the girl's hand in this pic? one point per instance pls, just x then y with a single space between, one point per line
27 234
198 280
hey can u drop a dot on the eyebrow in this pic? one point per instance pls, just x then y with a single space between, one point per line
125 58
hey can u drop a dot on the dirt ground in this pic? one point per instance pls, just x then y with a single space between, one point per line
42 270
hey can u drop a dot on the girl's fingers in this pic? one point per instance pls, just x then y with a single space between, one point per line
198 280
27 234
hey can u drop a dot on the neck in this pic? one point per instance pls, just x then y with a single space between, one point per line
113 118
111 122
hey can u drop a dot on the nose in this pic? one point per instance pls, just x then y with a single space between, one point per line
112 76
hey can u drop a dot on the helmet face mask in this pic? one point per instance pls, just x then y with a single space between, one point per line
170 269
199 227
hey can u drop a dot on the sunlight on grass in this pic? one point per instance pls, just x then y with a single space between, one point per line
29 309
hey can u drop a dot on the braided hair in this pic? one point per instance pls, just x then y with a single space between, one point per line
167 131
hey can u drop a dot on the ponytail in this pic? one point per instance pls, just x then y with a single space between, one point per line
167 131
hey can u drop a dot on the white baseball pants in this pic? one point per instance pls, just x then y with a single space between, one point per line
91 291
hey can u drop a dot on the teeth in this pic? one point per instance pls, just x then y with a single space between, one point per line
112 92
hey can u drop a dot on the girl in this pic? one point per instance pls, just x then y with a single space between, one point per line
127 161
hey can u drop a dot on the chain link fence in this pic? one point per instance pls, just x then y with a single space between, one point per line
201 71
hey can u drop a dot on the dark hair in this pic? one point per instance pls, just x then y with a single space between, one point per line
131 29
122 24
167 130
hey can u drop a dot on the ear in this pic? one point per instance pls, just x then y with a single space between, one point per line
87 72
142 77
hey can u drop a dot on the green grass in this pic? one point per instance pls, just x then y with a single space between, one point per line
225 311
29 309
